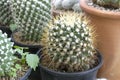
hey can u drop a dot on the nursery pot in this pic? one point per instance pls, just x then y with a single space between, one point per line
48 74
107 25
31 48
32 75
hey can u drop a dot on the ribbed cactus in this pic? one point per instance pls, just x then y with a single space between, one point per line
31 16
5 12
6 56
71 43
108 3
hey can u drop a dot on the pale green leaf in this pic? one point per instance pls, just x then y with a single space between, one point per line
32 60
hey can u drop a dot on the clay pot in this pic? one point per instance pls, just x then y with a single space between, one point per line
107 25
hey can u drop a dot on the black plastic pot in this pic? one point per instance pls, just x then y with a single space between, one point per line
6 30
32 75
48 74
25 77
31 48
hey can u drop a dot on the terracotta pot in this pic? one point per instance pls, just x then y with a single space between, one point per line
107 25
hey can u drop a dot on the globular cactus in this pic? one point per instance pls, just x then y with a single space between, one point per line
31 16
71 43
108 3
5 12
6 56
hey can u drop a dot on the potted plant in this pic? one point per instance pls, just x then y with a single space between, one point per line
5 17
31 18
70 54
105 16
13 67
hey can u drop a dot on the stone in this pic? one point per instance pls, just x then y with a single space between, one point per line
57 4
76 7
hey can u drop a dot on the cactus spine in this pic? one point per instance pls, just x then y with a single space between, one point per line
71 43
31 16
5 12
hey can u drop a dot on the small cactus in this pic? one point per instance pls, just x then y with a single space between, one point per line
31 16
71 43
108 3
5 12
6 56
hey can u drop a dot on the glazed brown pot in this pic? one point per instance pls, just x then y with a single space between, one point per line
107 25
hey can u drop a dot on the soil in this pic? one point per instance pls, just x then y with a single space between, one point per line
47 61
20 73
106 8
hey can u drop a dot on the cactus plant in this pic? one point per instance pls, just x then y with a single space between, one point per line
5 12
108 3
71 43
7 60
31 16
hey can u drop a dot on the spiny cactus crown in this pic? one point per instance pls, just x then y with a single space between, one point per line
108 3
70 42
5 12
6 55
31 16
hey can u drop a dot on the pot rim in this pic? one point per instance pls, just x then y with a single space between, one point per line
94 11
23 45
100 57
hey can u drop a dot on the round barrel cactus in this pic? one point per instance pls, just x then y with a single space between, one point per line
71 43
31 16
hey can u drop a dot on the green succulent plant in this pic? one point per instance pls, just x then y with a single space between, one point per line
31 16
71 43
108 3
5 12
